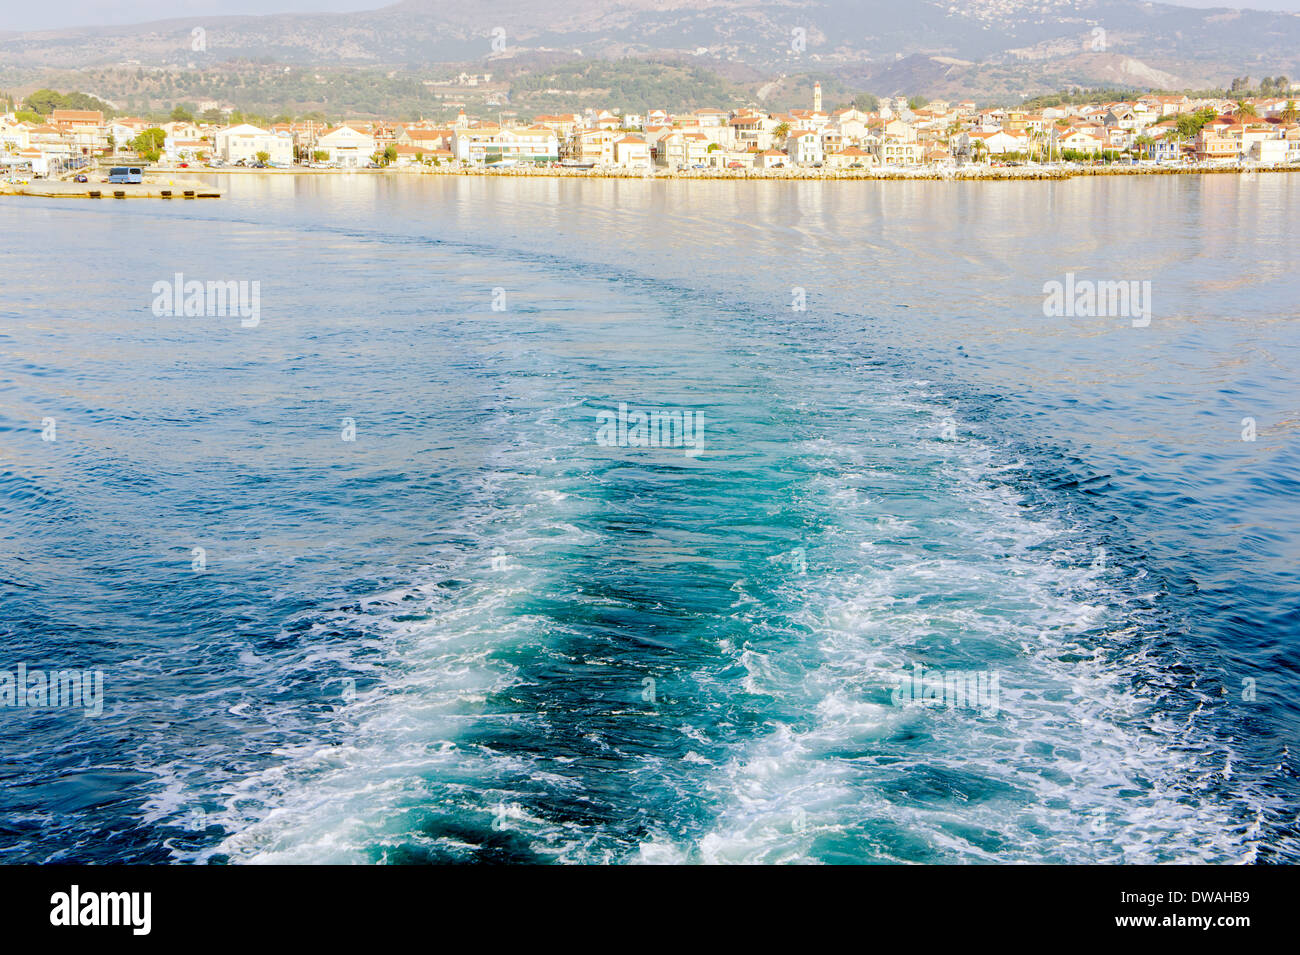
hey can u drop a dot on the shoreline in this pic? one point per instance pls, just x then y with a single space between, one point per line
155 188
968 174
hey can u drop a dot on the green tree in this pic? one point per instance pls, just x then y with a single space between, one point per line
148 145
1189 124
45 102
263 156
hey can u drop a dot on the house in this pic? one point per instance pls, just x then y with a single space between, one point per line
1164 106
408 155
709 117
347 147
244 141
563 124
1166 145
1248 136
185 150
680 149
38 161
427 138
891 151
1215 146
1291 136
1083 139
897 129
530 144
593 145
489 144
997 143
632 152
14 136
1124 117
770 159
182 130
83 128
122 131
850 156
852 124
1268 151
750 130
804 147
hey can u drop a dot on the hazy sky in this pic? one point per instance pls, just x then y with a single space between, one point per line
25 15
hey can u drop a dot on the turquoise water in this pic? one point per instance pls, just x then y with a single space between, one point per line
476 633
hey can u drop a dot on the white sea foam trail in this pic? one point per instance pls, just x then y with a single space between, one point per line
384 784
933 557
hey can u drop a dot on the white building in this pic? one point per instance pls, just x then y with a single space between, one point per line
347 147
633 152
491 145
245 141
804 147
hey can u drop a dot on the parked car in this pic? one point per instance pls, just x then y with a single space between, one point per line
735 165
82 178
185 165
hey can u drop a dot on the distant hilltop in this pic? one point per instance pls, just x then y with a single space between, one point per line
933 47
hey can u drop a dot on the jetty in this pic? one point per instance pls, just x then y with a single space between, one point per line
156 189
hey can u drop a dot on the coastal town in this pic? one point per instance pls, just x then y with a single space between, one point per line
898 135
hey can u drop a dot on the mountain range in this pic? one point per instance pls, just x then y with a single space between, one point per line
933 47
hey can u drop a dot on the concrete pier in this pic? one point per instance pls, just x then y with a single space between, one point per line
160 189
